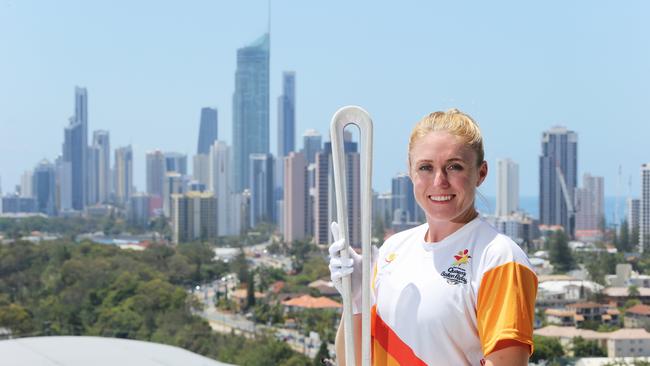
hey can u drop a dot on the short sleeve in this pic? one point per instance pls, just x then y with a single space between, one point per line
506 305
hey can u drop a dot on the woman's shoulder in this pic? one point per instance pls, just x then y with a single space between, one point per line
397 240
499 248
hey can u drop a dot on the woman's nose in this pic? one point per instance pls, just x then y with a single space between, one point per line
440 179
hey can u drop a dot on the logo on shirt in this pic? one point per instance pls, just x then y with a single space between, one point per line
391 257
456 274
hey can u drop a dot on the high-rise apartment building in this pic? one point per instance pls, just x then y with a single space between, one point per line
174 183
644 209
176 162
26 189
102 142
295 197
507 187
156 169
590 203
558 168
261 187
208 130
325 199
250 108
44 188
194 217
75 149
123 174
220 184
92 181
63 184
311 145
138 210
633 209
286 123
201 169
403 205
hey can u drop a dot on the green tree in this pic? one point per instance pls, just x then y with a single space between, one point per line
633 291
585 348
559 252
16 318
546 348
323 354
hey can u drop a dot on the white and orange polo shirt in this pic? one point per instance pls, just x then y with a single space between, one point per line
450 302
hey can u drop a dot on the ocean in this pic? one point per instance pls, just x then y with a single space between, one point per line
530 204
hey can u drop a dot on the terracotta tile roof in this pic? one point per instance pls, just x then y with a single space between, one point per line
584 305
639 309
622 291
560 312
572 332
310 302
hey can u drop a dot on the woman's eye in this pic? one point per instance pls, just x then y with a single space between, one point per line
455 167
425 168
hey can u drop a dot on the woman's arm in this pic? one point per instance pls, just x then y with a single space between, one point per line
339 342
508 353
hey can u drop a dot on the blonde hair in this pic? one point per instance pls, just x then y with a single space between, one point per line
453 122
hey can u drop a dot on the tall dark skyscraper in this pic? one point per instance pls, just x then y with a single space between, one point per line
44 184
207 130
287 115
75 149
559 155
250 108
286 126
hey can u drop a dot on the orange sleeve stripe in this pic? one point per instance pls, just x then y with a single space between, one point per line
380 357
506 306
384 339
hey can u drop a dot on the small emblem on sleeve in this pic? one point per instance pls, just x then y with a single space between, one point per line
390 257
456 274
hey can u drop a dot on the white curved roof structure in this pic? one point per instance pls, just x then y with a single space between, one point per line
96 351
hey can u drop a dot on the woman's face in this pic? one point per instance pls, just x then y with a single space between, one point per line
445 176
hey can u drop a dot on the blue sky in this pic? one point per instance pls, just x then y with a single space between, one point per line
517 67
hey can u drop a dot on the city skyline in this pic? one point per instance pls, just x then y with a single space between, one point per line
585 89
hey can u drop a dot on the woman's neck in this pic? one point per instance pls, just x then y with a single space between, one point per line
439 230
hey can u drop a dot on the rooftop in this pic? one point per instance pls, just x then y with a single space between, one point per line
639 309
96 351
310 302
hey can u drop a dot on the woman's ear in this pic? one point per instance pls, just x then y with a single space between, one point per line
482 173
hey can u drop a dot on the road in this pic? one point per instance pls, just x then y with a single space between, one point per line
225 322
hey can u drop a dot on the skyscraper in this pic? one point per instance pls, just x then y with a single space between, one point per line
633 207
208 130
507 187
26 189
644 209
404 201
325 201
590 199
123 174
155 172
194 217
558 168
176 162
295 197
220 184
286 123
250 108
261 186
173 184
75 149
101 140
311 144
92 181
44 187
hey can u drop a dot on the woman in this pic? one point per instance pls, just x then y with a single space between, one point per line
452 291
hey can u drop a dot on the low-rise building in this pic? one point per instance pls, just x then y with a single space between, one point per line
576 314
638 316
559 291
620 295
621 343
